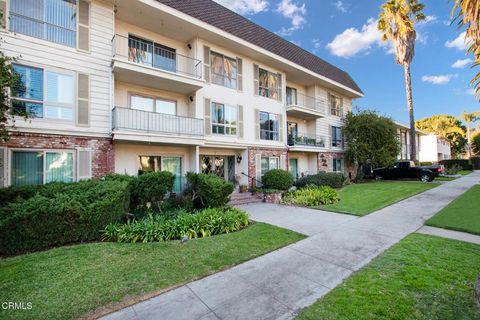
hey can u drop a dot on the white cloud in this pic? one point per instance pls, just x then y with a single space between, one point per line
296 42
438 80
353 41
458 43
459 64
295 12
316 45
340 5
422 37
470 92
429 19
245 6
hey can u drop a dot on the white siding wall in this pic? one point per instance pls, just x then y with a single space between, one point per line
96 63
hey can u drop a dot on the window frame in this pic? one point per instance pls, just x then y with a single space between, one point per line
213 74
335 163
224 125
44 101
269 132
337 142
334 111
44 23
154 98
276 159
293 96
44 152
266 90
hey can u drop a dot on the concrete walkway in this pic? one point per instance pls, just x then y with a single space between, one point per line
450 234
279 284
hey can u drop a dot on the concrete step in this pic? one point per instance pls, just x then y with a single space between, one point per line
244 198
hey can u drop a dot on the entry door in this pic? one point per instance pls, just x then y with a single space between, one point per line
293 167
174 165
292 132
222 166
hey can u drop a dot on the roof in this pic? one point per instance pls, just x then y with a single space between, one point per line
220 17
408 128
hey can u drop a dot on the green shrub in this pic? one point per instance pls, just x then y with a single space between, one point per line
463 163
426 163
151 188
277 179
61 214
331 179
312 196
207 222
207 190
475 163
13 193
454 169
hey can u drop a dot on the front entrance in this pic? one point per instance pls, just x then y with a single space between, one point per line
222 166
293 167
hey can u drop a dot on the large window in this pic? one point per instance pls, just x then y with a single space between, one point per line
58 102
38 167
269 163
291 96
52 20
268 84
337 165
224 119
337 137
150 104
336 106
173 165
224 70
152 54
269 129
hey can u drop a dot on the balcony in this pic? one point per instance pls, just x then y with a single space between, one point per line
153 65
305 107
306 140
132 124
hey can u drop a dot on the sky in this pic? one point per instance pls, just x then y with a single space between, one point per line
344 33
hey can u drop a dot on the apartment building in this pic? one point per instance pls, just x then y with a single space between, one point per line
180 85
435 149
403 134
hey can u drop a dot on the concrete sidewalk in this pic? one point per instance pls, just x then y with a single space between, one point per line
450 234
279 284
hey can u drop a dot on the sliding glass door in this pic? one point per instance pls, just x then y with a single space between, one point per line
174 165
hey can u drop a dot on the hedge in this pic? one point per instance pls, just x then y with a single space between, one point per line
331 179
475 163
208 190
277 179
58 214
464 164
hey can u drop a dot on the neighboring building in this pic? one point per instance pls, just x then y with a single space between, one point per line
180 85
435 149
403 133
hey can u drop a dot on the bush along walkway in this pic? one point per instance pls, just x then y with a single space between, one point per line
278 285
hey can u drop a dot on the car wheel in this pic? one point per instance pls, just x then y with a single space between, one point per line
378 177
425 178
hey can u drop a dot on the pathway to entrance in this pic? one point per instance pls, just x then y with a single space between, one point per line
279 284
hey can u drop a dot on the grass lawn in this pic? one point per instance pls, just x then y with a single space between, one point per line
422 277
364 198
464 172
69 282
445 178
463 214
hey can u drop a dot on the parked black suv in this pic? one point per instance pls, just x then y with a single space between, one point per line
407 169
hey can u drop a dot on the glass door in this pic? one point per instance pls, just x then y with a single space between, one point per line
293 167
292 132
174 165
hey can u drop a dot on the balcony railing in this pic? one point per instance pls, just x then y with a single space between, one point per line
306 140
307 102
152 122
155 56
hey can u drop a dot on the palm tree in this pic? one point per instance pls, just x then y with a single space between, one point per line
467 14
396 22
470 118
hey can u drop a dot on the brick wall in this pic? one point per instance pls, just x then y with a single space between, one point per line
265 152
102 149
325 163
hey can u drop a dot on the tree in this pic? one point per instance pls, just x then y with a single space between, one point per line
396 22
447 127
470 118
467 14
370 139
476 144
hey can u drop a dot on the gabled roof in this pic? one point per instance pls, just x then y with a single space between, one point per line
220 17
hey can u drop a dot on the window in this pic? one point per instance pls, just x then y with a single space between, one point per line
337 137
224 119
52 20
291 96
149 104
269 163
336 106
224 70
268 84
269 129
337 165
59 88
38 167
151 54
173 165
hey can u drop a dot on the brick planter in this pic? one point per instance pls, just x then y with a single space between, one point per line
275 198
